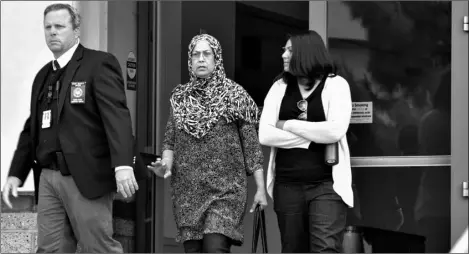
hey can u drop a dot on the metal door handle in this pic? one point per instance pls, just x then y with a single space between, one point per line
464 189
465 24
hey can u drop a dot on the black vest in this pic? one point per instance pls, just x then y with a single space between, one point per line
297 164
48 99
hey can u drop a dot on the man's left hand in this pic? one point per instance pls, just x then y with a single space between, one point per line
126 183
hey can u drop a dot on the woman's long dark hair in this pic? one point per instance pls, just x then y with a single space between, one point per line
310 59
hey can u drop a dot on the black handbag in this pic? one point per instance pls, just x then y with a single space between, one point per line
259 228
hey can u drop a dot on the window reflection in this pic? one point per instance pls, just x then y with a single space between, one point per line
397 56
414 202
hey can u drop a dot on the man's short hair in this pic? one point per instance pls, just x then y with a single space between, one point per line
75 16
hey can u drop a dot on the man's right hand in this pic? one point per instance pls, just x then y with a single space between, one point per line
12 185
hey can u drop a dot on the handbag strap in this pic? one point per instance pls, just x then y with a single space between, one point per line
259 228
255 231
263 232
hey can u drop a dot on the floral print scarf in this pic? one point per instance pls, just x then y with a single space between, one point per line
200 103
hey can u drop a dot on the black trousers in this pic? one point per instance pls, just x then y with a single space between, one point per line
311 217
211 243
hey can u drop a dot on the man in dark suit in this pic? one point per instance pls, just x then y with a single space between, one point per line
78 141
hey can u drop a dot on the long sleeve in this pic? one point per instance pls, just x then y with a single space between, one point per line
169 135
253 156
112 104
269 134
21 163
338 116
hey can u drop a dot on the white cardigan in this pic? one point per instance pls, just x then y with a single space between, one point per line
337 104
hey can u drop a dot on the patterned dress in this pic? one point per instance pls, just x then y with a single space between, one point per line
209 178
211 131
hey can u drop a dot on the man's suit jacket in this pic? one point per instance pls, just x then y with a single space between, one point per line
95 137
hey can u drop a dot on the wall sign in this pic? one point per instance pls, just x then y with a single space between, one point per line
362 112
131 72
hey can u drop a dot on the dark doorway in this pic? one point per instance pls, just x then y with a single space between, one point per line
261 32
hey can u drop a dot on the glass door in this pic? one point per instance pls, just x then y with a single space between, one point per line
399 59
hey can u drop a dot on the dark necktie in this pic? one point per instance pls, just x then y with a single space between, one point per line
55 73
56 65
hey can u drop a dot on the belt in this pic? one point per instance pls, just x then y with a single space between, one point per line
53 165
58 164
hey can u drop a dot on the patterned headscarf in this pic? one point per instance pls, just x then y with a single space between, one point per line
199 104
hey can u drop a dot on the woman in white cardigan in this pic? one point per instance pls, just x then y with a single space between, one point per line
308 107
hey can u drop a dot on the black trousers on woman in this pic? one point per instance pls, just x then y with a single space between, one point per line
311 217
211 243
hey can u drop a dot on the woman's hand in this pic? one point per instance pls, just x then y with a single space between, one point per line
160 168
261 199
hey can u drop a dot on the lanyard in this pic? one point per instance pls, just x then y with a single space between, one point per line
49 93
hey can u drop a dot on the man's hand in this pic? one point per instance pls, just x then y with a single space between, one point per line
126 183
12 185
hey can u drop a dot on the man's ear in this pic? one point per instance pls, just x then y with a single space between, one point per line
77 32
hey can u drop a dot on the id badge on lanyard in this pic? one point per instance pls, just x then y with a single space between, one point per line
46 118
47 114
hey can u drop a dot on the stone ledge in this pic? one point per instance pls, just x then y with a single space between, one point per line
19 221
16 242
25 202
19 225
18 231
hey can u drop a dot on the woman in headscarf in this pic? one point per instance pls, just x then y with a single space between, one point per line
210 148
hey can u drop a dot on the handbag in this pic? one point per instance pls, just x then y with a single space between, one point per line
331 154
259 228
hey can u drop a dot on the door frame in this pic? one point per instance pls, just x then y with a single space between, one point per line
459 119
458 160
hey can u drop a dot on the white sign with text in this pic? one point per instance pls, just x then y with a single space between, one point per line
362 112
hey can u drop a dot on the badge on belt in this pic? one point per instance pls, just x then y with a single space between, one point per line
78 92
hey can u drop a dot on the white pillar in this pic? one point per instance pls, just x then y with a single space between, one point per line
318 18
94 23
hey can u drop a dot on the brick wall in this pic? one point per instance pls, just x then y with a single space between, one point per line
19 227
